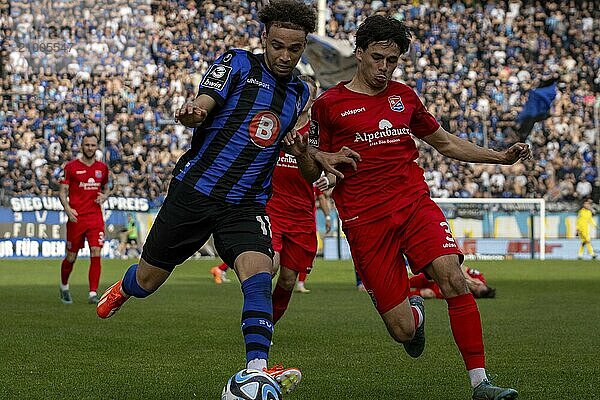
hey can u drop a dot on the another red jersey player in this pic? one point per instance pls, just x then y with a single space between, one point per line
422 286
292 212
384 202
83 189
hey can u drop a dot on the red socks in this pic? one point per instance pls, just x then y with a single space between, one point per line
281 299
416 316
223 267
65 271
94 273
466 328
301 277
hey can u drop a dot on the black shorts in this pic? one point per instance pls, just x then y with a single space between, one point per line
186 220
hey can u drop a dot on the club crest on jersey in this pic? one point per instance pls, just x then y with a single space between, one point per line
98 174
396 103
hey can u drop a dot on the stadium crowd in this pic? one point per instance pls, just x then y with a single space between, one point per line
71 67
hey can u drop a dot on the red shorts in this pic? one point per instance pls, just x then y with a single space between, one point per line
297 249
90 228
419 231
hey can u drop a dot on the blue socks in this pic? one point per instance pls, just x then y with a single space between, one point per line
131 286
257 316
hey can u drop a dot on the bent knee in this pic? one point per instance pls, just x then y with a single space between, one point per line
287 278
401 333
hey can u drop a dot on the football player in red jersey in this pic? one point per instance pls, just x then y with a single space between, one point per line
83 189
384 202
422 286
292 212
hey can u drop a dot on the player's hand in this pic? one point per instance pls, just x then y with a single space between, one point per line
323 183
294 143
327 224
72 214
516 152
329 161
190 115
101 198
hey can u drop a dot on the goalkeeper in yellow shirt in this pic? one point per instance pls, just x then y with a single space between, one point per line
584 220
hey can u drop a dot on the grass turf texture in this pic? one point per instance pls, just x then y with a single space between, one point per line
184 342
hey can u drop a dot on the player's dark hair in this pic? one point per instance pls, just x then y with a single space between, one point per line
379 28
289 14
87 135
488 293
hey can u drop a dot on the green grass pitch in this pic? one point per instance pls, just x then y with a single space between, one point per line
542 336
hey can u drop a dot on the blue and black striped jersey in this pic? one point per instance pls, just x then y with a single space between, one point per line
235 150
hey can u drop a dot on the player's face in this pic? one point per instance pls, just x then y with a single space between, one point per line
377 63
283 49
89 146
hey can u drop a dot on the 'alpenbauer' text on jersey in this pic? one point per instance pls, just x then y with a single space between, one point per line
235 150
381 129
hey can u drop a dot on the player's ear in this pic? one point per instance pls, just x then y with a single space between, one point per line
359 54
263 38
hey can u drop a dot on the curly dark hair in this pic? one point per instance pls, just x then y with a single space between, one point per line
289 14
379 28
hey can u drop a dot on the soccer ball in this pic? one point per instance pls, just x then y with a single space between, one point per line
250 384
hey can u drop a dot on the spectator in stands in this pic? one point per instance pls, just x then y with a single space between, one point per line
143 62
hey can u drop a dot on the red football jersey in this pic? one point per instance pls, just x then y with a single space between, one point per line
380 129
84 185
292 203
476 274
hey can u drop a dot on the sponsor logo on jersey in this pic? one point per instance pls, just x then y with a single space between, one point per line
352 112
287 161
256 82
396 103
227 57
80 172
385 132
217 76
91 184
264 129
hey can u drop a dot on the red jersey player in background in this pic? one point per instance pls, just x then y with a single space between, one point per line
422 286
384 202
83 189
292 213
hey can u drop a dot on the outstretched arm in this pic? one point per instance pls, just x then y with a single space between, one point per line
312 161
195 112
460 149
